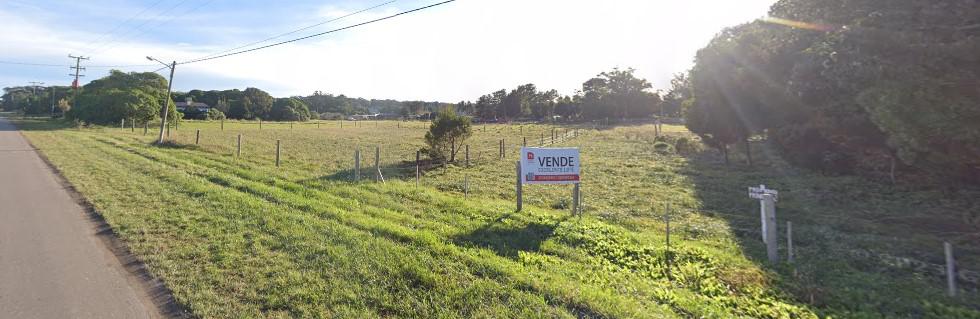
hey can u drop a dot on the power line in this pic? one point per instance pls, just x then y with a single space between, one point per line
318 34
300 29
138 29
108 33
66 65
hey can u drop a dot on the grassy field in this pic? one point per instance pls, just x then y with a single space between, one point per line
239 237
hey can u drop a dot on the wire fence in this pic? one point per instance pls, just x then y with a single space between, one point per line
389 160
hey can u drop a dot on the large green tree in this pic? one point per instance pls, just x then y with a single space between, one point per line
131 96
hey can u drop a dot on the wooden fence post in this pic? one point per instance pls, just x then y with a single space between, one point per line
277 152
500 149
418 170
377 163
357 165
503 148
132 125
260 124
520 191
525 142
772 242
197 137
239 152
222 124
467 155
146 127
950 269
668 257
575 200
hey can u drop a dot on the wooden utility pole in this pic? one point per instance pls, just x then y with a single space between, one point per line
78 67
166 102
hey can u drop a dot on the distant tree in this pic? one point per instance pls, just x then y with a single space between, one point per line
256 103
618 94
446 135
679 93
289 109
215 114
63 105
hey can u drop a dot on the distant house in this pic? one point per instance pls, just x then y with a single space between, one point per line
189 106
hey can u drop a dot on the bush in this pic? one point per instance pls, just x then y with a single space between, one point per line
214 114
662 148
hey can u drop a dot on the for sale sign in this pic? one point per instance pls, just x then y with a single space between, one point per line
549 165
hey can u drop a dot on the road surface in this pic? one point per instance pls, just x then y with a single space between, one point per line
53 264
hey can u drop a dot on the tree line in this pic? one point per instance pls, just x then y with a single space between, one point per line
614 95
860 85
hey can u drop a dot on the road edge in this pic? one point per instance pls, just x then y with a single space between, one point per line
152 288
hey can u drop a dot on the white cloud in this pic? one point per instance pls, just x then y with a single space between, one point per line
461 50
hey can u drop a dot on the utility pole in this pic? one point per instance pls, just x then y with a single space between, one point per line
166 102
34 86
78 67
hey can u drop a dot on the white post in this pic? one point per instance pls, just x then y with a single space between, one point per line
762 214
789 242
950 269
771 236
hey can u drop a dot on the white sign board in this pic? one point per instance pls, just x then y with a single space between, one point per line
549 165
757 192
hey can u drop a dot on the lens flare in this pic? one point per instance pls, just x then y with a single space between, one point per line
800 24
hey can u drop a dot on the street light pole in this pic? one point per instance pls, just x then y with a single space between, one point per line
166 106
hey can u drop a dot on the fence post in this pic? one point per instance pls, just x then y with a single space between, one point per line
452 146
575 200
669 258
500 149
525 142
789 242
772 242
260 124
552 136
467 155
222 124
239 152
317 124
520 191
503 148
122 124
418 170
146 127
132 125
168 129
950 269
542 139
197 137
357 165
277 153
377 163
290 125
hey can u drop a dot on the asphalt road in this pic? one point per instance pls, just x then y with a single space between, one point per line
53 264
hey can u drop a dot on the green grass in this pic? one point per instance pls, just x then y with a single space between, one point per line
239 237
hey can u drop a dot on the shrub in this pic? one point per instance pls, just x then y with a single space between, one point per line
446 134
215 114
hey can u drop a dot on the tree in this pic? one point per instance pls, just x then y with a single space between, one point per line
620 94
131 96
289 109
680 92
446 135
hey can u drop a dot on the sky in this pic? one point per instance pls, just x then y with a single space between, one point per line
453 52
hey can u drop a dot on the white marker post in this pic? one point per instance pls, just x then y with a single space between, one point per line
757 193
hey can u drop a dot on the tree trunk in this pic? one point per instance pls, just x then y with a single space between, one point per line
452 152
748 151
724 150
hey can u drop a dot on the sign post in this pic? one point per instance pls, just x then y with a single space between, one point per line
757 193
549 166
